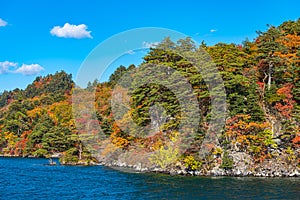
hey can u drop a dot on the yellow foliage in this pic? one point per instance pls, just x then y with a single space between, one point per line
165 156
36 112
190 162
174 136
157 145
217 151
61 112
291 154
11 139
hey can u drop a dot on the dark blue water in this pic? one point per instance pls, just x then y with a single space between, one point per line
33 179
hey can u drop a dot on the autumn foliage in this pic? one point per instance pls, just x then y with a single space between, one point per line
262 83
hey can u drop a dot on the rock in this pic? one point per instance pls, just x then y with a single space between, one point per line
190 173
197 173
173 172
216 171
277 141
291 174
138 167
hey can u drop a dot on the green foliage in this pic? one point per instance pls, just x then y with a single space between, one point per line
291 27
118 73
57 84
268 140
4 97
262 85
291 154
40 153
71 156
227 161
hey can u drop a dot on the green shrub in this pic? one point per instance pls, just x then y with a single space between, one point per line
227 161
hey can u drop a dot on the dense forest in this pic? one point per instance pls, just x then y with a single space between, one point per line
262 83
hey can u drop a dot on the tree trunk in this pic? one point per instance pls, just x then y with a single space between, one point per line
80 151
270 76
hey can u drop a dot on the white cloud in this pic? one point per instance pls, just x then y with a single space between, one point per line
29 69
149 44
71 31
213 30
11 67
5 66
2 22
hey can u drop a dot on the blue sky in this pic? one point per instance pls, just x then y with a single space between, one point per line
42 37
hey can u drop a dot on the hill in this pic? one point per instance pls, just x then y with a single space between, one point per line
260 135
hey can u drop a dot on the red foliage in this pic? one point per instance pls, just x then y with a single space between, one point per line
39 83
296 141
240 47
21 144
261 85
286 90
286 106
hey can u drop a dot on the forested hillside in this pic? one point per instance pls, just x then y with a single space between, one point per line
262 129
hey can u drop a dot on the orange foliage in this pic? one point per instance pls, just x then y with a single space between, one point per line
286 106
102 97
261 85
247 135
154 142
117 139
36 112
38 84
291 43
296 141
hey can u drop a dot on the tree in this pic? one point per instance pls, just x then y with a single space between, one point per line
267 43
113 79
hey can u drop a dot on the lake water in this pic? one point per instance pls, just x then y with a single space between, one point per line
34 179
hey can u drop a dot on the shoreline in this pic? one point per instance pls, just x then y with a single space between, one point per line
211 173
215 172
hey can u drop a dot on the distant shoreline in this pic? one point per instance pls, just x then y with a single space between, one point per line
15 156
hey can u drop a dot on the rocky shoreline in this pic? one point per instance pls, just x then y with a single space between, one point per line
242 165
271 168
261 172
